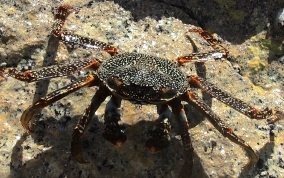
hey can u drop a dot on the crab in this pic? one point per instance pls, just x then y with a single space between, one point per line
141 79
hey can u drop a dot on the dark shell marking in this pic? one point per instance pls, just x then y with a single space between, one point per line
142 77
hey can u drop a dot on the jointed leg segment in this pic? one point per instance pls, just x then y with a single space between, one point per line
72 40
196 101
235 103
52 97
218 53
179 113
51 71
76 144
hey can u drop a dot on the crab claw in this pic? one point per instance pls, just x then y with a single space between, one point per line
77 147
159 137
114 134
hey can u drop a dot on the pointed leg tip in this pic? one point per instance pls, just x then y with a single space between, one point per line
252 162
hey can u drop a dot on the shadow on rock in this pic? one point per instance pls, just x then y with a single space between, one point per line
264 153
105 160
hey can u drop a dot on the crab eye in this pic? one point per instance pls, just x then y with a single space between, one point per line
168 93
114 83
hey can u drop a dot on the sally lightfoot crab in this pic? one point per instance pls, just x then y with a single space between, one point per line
142 79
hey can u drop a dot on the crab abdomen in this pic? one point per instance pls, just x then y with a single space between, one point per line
142 77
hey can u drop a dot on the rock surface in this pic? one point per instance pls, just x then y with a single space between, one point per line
254 74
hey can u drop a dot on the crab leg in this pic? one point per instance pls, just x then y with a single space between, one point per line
235 103
199 104
76 144
50 71
179 113
159 137
72 40
113 131
54 96
218 53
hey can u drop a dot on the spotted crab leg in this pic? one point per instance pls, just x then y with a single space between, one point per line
218 53
72 40
226 131
235 103
50 71
76 144
179 113
55 96
159 137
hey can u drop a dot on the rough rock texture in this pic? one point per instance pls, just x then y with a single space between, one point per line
254 73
